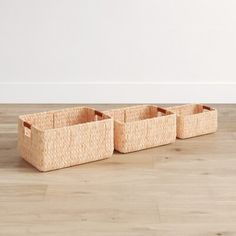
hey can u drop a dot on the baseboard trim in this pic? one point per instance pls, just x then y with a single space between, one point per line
115 92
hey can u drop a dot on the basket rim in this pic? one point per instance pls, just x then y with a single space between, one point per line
22 118
140 106
187 105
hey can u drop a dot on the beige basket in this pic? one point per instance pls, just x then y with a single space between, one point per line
63 138
141 127
194 120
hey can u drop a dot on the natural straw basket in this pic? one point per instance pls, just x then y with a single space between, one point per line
194 120
63 138
141 127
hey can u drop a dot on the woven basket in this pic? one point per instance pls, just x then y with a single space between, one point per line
194 120
63 138
141 127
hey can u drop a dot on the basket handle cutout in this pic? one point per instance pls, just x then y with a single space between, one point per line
27 125
161 110
27 129
207 108
98 113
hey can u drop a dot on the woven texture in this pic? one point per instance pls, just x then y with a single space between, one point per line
64 138
141 127
194 120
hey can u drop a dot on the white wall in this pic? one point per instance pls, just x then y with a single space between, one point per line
117 51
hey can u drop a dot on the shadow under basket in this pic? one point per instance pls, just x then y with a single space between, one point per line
63 138
141 127
194 120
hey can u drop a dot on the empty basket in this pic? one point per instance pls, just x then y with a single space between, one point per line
194 120
141 127
63 138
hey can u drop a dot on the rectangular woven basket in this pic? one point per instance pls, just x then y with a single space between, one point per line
63 138
141 127
194 120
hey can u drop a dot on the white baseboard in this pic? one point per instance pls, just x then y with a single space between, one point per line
114 92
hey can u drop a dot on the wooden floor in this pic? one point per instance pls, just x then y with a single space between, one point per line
183 189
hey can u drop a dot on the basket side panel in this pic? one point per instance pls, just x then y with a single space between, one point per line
146 133
180 127
138 113
133 113
91 142
198 124
31 148
187 109
119 137
78 144
67 117
56 148
116 114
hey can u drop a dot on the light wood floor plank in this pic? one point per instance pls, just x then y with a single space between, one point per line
187 188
